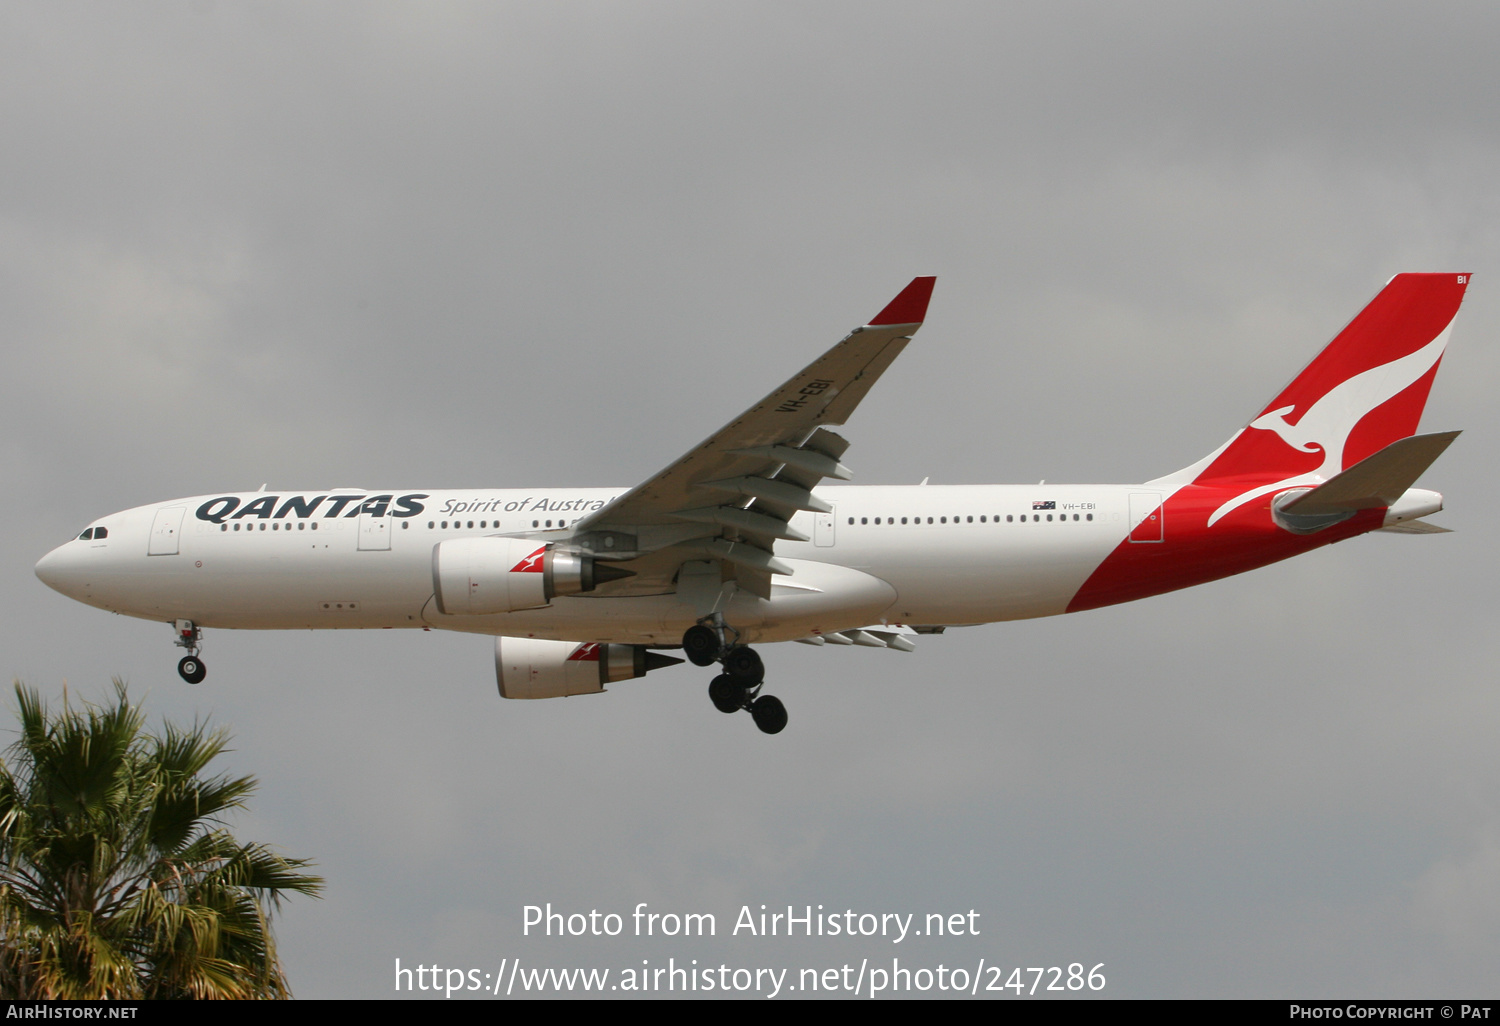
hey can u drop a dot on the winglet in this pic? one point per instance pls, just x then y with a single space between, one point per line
910 307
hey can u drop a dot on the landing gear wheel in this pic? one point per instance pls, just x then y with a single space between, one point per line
744 665
727 694
192 669
701 645
769 714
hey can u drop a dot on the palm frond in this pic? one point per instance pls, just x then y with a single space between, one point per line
118 875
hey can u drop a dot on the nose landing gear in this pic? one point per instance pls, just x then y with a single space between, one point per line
190 637
739 686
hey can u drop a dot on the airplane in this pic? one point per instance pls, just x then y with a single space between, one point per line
739 543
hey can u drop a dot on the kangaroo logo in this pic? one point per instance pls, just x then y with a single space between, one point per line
532 564
1326 425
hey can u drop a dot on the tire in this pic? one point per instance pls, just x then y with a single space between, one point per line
192 670
769 714
700 645
744 665
726 694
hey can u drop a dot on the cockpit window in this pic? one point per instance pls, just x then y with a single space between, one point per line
86 535
100 532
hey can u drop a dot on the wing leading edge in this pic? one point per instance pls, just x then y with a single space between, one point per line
732 496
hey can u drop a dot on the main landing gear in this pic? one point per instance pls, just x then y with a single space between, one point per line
739 686
190 637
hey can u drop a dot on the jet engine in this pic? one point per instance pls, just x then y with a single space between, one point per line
475 576
537 668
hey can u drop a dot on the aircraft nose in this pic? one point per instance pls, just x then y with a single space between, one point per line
53 569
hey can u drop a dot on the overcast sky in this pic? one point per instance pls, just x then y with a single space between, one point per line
523 244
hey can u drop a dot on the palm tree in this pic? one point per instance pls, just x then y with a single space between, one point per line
117 877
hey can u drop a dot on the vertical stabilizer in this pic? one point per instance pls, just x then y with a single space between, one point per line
1365 390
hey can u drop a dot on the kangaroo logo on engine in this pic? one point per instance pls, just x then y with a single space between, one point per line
532 564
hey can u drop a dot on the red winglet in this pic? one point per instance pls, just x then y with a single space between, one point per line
910 307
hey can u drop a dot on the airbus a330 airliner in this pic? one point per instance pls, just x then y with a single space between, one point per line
735 544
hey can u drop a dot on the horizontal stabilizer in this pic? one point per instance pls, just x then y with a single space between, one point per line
1416 527
1375 482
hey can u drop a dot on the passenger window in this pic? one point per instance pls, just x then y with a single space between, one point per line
903 520
981 520
302 525
430 525
929 520
865 520
471 523
1091 516
536 523
223 527
943 519
851 520
405 524
1008 518
315 525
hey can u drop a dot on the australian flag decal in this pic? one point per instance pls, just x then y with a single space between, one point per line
1044 505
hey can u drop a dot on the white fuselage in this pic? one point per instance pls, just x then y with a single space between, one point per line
898 554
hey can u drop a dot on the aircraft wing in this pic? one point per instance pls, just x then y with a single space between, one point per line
731 496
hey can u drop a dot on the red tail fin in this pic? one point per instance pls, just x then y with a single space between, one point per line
1365 390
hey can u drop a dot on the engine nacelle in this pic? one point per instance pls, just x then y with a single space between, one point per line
537 668
475 576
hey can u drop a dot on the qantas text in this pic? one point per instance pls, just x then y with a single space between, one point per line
271 507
